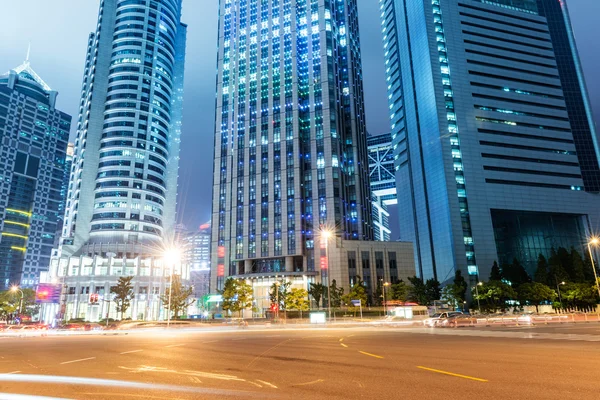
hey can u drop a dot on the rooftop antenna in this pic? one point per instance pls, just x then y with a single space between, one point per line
28 51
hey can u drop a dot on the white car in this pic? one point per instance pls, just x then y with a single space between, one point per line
436 318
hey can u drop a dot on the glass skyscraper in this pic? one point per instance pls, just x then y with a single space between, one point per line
496 150
33 144
290 140
123 185
383 182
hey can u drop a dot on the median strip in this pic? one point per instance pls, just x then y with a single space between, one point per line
369 354
453 374
74 361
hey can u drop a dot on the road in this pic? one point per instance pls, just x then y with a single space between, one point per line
353 363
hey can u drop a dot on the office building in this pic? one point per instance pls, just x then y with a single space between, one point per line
122 192
496 150
383 182
290 140
33 145
196 254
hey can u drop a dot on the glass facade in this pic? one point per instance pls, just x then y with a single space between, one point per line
33 166
290 133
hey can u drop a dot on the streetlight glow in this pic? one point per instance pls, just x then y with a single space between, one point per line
171 257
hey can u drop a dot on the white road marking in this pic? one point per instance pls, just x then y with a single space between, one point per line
175 345
131 351
74 361
267 383
309 383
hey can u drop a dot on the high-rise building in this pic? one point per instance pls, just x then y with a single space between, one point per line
290 140
383 182
496 150
122 193
33 144
64 189
196 254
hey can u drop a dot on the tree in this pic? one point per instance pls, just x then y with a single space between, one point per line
515 273
317 291
535 293
180 297
495 274
451 295
460 286
432 290
357 292
556 267
336 294
283 292
399 291
494 295
541 273
588 268
580 295
577 272
418 291
237 295
297 299
123 294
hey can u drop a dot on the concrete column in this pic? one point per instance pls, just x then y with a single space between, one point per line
247 266
289 264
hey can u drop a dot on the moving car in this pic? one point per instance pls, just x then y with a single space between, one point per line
437 318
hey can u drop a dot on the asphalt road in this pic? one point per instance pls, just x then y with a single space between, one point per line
351 363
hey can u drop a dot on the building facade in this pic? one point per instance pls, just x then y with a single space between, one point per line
122 192
196 255
33 144
496 150
290 139
383 182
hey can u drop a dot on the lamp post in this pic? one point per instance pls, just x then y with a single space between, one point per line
171 257
325 237
384 298
14 289
477 294
559 296
594 241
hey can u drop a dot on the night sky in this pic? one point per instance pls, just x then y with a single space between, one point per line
58 31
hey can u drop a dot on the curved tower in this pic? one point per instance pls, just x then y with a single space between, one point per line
123 184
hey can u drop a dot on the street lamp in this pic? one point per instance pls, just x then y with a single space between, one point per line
15 289
384 298
477 294
171 257
594 241
325 235
559 297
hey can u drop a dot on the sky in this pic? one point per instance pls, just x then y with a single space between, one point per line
58 30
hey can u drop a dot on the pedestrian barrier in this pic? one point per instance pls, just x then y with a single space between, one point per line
518 320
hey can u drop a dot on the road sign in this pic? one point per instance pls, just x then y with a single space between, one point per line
356 303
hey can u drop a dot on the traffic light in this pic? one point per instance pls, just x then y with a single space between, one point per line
274 307
93 298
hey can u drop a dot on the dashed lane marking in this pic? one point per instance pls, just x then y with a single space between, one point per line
74 361
453 374
131 351
369 354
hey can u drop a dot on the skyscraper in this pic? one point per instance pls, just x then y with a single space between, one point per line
290 141
33 145
122 192
383 182
496 150
197 255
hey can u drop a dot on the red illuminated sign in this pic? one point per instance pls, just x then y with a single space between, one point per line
220 270
221 251
324 262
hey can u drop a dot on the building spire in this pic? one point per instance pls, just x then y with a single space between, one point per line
28 51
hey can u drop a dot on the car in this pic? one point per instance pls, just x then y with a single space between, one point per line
436 318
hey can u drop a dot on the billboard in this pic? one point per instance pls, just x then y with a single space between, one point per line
48 293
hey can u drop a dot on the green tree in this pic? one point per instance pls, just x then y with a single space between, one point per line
535 293
460 286
336 294
237 295
180 297
588 270
451 294
556 267
399 291
357 292
123 294
494 295
577 272
579 295
433 290
515 273
297 299
317 291
541 273
495 274
284 288
418 291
